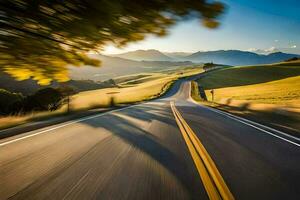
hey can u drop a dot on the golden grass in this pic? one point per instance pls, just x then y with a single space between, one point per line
144 88
140 91
277 115
285 92
9 121
276 84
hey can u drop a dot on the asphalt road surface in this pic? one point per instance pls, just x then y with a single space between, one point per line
151 151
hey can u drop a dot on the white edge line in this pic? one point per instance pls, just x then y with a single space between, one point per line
240 119
65 124
277 136
255 123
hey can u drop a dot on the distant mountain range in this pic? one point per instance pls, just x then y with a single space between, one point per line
177 55
227 57
112 67
145 55
235 57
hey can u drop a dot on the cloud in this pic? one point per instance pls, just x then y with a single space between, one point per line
271 49
276 40
294 47
264 51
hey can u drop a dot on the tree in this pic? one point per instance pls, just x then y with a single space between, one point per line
40 38
48 99
10 103
208 66
67 92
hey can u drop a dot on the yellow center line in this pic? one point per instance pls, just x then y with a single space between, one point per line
213 182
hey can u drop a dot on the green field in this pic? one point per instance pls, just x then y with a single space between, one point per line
277 84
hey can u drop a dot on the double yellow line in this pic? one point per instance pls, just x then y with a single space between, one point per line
212 180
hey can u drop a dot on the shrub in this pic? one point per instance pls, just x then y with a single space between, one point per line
45 99
10 103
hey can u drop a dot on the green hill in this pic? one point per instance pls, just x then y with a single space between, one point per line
275 84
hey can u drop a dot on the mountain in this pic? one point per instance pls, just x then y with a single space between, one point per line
177 55
264 51
144 55
112 67
235 57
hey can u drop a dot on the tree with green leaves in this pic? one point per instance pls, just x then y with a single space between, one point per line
40 38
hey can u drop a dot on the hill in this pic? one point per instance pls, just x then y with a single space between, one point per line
177 55
235 57
112 67
91 78
27 87
270 84
144 55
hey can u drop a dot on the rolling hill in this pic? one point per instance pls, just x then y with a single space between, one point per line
271 84
114 67
89 78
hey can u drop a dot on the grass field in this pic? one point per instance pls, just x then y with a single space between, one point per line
269 94
132 88
141 87
277 84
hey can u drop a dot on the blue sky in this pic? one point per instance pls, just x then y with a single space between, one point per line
246 25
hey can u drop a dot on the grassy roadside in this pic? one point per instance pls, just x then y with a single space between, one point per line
137 90
285 120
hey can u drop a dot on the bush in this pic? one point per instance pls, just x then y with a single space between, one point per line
10 103
44 99
208 66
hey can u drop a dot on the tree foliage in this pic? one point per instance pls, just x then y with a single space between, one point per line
40 38
10 102
46 99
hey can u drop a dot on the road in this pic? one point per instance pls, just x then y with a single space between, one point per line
148 151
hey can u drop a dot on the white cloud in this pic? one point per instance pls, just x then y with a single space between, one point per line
276 40
264 51
271 49
294 47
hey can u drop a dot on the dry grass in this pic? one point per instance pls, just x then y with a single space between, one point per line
140 90
285 92
280 117
271 84
6 122
143 88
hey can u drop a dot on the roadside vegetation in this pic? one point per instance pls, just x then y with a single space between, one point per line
128 90
269 93
195 94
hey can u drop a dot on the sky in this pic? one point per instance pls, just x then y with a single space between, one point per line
253 25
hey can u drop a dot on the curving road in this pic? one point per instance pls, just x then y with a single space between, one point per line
140 152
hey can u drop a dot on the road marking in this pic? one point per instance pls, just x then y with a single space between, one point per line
244 121
63 125
212 180
251 123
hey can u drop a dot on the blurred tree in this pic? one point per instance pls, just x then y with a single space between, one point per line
208 66
45 99
10 103
67 92
40 38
